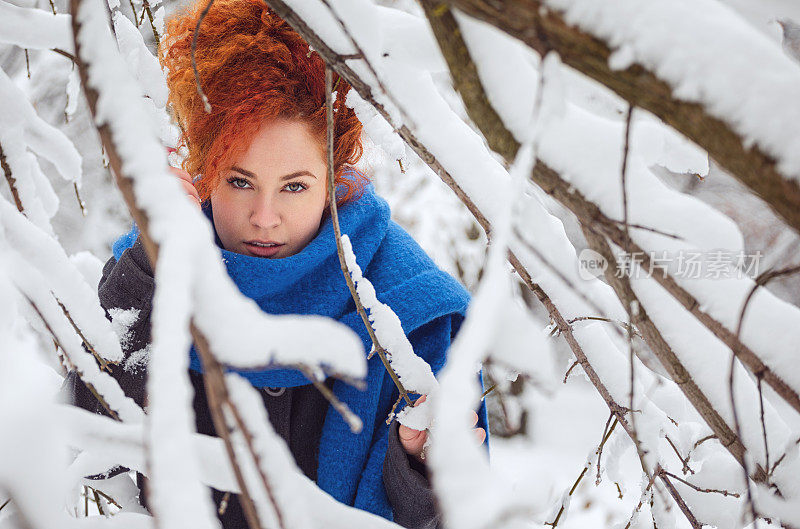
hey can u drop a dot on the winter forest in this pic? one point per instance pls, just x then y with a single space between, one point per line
617 184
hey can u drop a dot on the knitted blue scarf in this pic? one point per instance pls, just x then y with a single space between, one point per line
430 305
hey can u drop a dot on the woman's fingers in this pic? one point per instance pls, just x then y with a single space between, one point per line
186 181
480 433
412 440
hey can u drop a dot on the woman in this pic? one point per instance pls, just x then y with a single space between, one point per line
261 154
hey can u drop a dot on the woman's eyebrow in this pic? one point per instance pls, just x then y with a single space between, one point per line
295 174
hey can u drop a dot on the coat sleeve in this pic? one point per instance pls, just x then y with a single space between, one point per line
126 285
405 479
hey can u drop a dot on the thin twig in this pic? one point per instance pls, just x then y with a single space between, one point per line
763 423
99 505
135 16
12 182
704 439
66 54
628 327
684 461
643 496
150 17
648 228
738 429
599 450
250 441
5 503
510 429
607 433
340 249
698 489
80 200
214 383
352 419
68 360
631 306
360 54
109 498
102 361
27 63
206 104
566 375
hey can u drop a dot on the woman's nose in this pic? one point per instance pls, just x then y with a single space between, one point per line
265 214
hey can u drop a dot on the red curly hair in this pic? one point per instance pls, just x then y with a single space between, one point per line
253 67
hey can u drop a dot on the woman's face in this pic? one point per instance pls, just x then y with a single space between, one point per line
270 202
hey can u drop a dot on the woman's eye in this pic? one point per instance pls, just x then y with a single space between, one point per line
295 187
238 183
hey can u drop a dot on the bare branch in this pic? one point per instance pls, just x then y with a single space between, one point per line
643 497
80 200
12 182
216 394
606 435
151 18
206 104
698 489
684 460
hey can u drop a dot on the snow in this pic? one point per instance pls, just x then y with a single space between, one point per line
514 102
19 119
652 204
47 258
121 322
414 373
142 64
576 129
375 127
470 493
175 494
275 462
34 28
703 49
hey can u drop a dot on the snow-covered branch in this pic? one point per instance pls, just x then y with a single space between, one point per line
680 61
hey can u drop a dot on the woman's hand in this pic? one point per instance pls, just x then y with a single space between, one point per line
413 440
186 181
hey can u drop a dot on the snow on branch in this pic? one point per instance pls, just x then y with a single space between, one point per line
641 51
175 494
22 129
61 277
552 148
34 28
456 162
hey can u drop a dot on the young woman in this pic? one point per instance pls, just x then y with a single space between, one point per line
257 166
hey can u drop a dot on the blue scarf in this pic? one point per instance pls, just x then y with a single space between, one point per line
311 282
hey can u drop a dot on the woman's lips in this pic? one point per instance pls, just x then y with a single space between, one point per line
263 251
